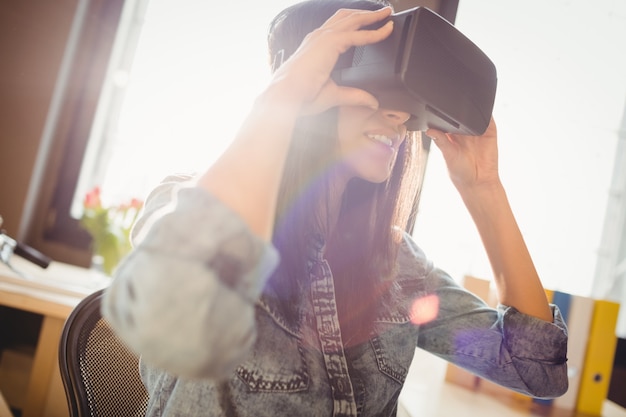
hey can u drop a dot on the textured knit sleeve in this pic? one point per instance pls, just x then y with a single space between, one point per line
184 298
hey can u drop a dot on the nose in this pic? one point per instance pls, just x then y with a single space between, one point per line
396 117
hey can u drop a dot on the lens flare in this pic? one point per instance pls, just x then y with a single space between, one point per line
425 309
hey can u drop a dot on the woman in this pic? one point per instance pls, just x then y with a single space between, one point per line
280 282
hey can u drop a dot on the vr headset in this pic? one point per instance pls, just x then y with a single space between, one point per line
427 68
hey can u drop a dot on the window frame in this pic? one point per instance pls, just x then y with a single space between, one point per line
53 230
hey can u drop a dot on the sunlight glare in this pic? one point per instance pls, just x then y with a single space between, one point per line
196 71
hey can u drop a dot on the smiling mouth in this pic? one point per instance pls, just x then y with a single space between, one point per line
385 140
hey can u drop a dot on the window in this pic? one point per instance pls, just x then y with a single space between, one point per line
181 83
174 71
193 47
176 102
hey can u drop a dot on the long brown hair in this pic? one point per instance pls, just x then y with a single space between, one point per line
362 248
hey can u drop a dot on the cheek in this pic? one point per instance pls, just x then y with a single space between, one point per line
351 118
350 124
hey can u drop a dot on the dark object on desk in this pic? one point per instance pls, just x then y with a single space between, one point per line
100 373
617 388
10 246
427 68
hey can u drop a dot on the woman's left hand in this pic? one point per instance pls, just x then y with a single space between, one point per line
471 160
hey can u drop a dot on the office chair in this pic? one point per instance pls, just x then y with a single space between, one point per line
99 373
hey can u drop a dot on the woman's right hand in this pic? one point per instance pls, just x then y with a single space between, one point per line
305 76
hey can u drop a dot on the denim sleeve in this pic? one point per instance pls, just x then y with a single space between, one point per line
184 298
521 352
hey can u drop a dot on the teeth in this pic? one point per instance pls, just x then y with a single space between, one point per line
382 139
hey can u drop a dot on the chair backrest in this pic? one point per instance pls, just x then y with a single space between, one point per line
100 373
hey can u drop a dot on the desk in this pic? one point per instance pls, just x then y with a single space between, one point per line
53 293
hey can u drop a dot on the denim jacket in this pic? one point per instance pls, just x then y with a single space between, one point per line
190 298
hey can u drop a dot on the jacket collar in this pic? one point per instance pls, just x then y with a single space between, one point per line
398 308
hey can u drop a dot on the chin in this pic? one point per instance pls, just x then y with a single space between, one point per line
376 179
374 171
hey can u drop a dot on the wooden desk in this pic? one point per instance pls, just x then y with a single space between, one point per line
52 293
